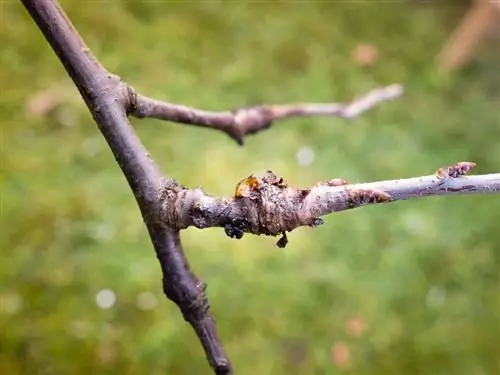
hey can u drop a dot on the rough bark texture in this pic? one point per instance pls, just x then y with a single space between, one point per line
269 206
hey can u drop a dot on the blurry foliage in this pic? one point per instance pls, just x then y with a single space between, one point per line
420 279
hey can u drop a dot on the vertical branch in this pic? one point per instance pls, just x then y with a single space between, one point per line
188 292
107 98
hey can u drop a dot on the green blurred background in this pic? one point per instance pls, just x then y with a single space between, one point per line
406 288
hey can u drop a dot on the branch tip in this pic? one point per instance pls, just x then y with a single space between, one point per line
131 102
456 170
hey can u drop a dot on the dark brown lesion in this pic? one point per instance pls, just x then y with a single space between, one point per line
457 170
302 194
276 205
236 228
283 241
268 197
359 197
272 179
313 222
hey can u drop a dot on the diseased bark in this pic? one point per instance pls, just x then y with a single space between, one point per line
271 207
261 205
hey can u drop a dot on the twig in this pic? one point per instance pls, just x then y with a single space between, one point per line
243 121
269 206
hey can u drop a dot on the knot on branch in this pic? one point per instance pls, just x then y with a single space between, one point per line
175 200
270 205
193 303
131 103
250 121
196 309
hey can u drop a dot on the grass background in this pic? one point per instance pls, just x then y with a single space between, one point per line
420 279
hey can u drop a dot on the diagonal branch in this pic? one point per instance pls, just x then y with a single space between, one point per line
269 206
107 98
187 291
243 121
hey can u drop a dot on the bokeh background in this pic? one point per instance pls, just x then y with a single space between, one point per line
406 288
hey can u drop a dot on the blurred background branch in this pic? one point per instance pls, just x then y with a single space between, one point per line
481 19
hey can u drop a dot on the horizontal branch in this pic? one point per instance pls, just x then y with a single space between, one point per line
268 206
243 121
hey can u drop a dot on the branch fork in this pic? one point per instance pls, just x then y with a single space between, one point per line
261 205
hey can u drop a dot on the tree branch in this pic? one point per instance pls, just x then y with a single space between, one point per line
188 292
261 205
269 206
107 98
243 121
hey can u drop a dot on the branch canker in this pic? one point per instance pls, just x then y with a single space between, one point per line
270 207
